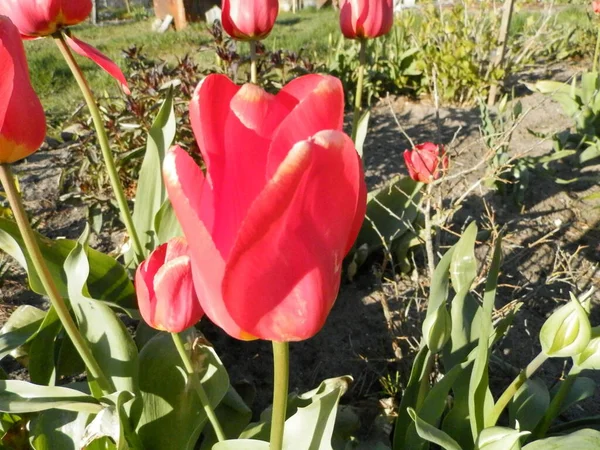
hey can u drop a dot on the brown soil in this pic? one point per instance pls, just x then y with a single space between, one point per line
551 247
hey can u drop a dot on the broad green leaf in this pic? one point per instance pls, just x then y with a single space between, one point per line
432 434
580 440
56 429
550 87
109 340
361 132
438 291
463 267
529 405
166 223
18 397
151 193
582 388
111 422
42 364
391 211
589 87
170 402
233 414
242 444
411 395
479 383
108 279
499 438
22 324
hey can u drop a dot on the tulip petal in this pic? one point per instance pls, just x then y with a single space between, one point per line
6 81
284 271
87 51
191 197
319 108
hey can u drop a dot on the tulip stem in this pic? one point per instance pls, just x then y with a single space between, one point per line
253 70
428 230
39 264
281 365
104 145
595 62
511 390
209 411
359 88
554 409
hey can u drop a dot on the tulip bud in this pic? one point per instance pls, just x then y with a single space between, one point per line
22 120
424 160
590 357
567 331
366 19
499 438
437 327
249 20
165 289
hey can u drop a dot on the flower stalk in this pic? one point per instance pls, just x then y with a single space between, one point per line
281 364
253 57
39 264
359 88
104 145
208 410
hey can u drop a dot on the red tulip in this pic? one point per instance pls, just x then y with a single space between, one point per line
165 290
22 120
280 206
423 162
249 20
596 6
40 18
366 19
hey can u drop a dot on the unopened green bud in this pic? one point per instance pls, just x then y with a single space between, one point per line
590 357
499 438
567 331
437 327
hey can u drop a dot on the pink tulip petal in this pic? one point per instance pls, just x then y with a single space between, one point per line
284 271
7 69
86 50
321 109
191 197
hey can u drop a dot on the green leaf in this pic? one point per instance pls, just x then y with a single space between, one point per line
108 279
233 415
151 193
242 444
361 132
166 223
463 267
499 438
22 324
583 388
109 340
479 383
170 402
529 405
432 434
111 422
42 364
18 397
438 291
56 429
391 211
580 440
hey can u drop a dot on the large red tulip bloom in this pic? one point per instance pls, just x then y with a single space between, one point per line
366 19
426 162
280 206
165 290
22 120
40 18
249 20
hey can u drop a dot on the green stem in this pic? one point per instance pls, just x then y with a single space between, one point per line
104 144
557 401
511 390
595 62
359 88
253 71
210 412
39 264
281 364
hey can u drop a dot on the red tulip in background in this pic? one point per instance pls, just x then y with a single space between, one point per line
40 18
423 162
280 206
596 6
249 20
22 120
165 290
366 19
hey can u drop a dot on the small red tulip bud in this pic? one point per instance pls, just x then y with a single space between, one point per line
424 161
165 290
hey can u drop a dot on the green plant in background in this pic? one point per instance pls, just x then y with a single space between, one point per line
458 412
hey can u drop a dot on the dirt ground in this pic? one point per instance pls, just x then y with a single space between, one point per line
551 246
